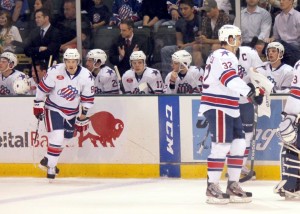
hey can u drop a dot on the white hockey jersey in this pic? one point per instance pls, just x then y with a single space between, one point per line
150 77
64 92
190 83
292 105
222 85
281 77
106 82
6 83
247 57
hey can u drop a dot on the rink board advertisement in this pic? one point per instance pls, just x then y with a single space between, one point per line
140 136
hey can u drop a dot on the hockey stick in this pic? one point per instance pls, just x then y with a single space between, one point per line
34 141
253 147
202 124
119 79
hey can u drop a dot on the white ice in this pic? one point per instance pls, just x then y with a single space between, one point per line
130 196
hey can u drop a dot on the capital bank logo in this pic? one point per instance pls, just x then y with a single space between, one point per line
106 129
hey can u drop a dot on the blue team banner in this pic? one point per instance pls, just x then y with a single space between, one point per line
169 132
267 147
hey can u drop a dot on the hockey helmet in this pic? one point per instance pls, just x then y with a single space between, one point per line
71 53
11 57
279 48
97 54
228 30
183 57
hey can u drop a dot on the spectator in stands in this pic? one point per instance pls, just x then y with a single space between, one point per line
174 11
38 4
186 29
17 8
255 21
224 5
8 33
184 78
286 30
141 79
99 14
125 10
44 41
68 28
86 5
154 13
208 40
37 74
126 43
106 80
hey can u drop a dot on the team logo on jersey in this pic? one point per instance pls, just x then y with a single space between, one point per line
129 80
69 93
4 90
106 128
60 77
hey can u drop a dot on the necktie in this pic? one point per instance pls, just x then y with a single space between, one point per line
42 33
127 42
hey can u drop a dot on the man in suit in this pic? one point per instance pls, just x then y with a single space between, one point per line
126 43
44 41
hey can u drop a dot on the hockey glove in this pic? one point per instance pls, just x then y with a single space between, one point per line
82 124
38 109
256 95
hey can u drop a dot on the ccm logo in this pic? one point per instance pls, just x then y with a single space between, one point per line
60 77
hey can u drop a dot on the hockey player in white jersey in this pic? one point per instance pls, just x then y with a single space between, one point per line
41 69
106 80
141 79
183 79
222 88
12 81
277 72
247 58
289 132
60 93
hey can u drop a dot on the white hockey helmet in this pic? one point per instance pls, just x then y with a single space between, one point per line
11 57
21 86
97 54
136 55
183 57
72 53
279 48
228 30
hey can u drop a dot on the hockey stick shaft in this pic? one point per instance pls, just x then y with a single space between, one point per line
253 147
119 79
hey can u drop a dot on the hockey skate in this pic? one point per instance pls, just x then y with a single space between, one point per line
215 195
237 194
44 165
51 172
293 194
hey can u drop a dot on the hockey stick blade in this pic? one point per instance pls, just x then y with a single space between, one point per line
247 177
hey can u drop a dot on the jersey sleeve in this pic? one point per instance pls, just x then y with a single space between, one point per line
155 82
167 89
46 84
88 91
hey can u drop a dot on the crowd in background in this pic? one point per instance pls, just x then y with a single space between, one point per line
44 29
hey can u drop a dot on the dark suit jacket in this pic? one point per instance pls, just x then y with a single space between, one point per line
51 40
124 64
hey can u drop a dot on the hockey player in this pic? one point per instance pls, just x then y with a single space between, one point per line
60 93
8 75
183 79
141 79
289 132
277 72
219 103
247 58
41 69
106 80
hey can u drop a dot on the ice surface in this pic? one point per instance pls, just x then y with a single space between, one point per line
122 196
